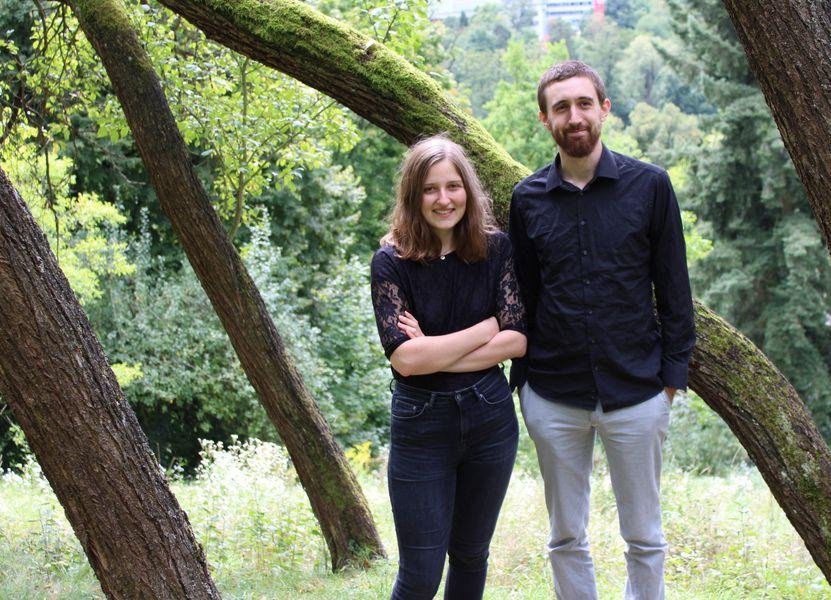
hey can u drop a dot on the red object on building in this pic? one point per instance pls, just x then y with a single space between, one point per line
599 7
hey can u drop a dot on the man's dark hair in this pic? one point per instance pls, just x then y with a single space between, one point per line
566 70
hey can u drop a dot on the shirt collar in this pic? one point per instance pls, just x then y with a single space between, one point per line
606 167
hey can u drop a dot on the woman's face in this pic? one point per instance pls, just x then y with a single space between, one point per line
443 199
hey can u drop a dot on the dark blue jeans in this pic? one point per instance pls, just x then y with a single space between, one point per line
451 457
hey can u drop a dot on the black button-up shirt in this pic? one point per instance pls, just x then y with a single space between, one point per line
586 262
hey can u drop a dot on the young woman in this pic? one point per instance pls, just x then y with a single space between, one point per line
448 311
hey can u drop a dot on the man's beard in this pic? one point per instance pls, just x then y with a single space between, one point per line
580 147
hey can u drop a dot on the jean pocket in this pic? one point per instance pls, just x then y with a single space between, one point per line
404 407
498 393
495 399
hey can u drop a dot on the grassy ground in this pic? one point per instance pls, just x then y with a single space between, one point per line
728 538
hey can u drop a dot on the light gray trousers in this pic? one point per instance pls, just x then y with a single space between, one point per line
632 438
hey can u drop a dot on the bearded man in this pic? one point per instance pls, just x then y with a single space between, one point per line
598 235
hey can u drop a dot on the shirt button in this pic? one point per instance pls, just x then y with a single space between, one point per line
585 252
591 340
586 281
596 368
582 221
591 312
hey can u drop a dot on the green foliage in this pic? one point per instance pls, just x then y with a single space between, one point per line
14 450
629 50
359 375
728 538
475 54
374 160
81 229
333 340
253 127
401 25
259 140
245 512
699 441
667 136
769 272
617 138
192 385
601 45
360 458
126 374
642 75
698 247
315 222
262 142
513 112
626 12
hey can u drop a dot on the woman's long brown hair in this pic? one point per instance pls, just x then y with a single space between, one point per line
410 234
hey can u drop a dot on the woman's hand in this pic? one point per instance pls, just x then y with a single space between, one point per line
409 325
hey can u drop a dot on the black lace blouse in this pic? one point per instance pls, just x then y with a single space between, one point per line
445 295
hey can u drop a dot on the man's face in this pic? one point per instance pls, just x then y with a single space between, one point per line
574 115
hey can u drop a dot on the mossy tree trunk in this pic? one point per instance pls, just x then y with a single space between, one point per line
55 378
788 47
729 373
333 491
770 420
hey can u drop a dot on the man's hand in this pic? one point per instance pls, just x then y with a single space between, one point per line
670 393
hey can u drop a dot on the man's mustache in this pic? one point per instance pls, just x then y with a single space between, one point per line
576 128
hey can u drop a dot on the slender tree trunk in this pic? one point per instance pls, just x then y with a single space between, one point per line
728 371
788 47
55 378
336 498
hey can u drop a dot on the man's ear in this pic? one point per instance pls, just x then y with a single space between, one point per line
605 108
544 120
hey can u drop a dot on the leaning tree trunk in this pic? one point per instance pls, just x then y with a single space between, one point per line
727 370
788 46
334 493
55 378
772 423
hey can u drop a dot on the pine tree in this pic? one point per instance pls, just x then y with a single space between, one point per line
769 272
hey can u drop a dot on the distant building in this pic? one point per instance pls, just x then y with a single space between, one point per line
571 11
442 9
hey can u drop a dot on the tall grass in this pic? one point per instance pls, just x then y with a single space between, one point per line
728 538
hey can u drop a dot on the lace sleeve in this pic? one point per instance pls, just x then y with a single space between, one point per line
388 301
510 311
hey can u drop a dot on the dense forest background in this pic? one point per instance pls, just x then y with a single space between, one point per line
304 186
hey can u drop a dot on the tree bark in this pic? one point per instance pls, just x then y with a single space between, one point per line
773 424
727 370
788 46
334 493
55 378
